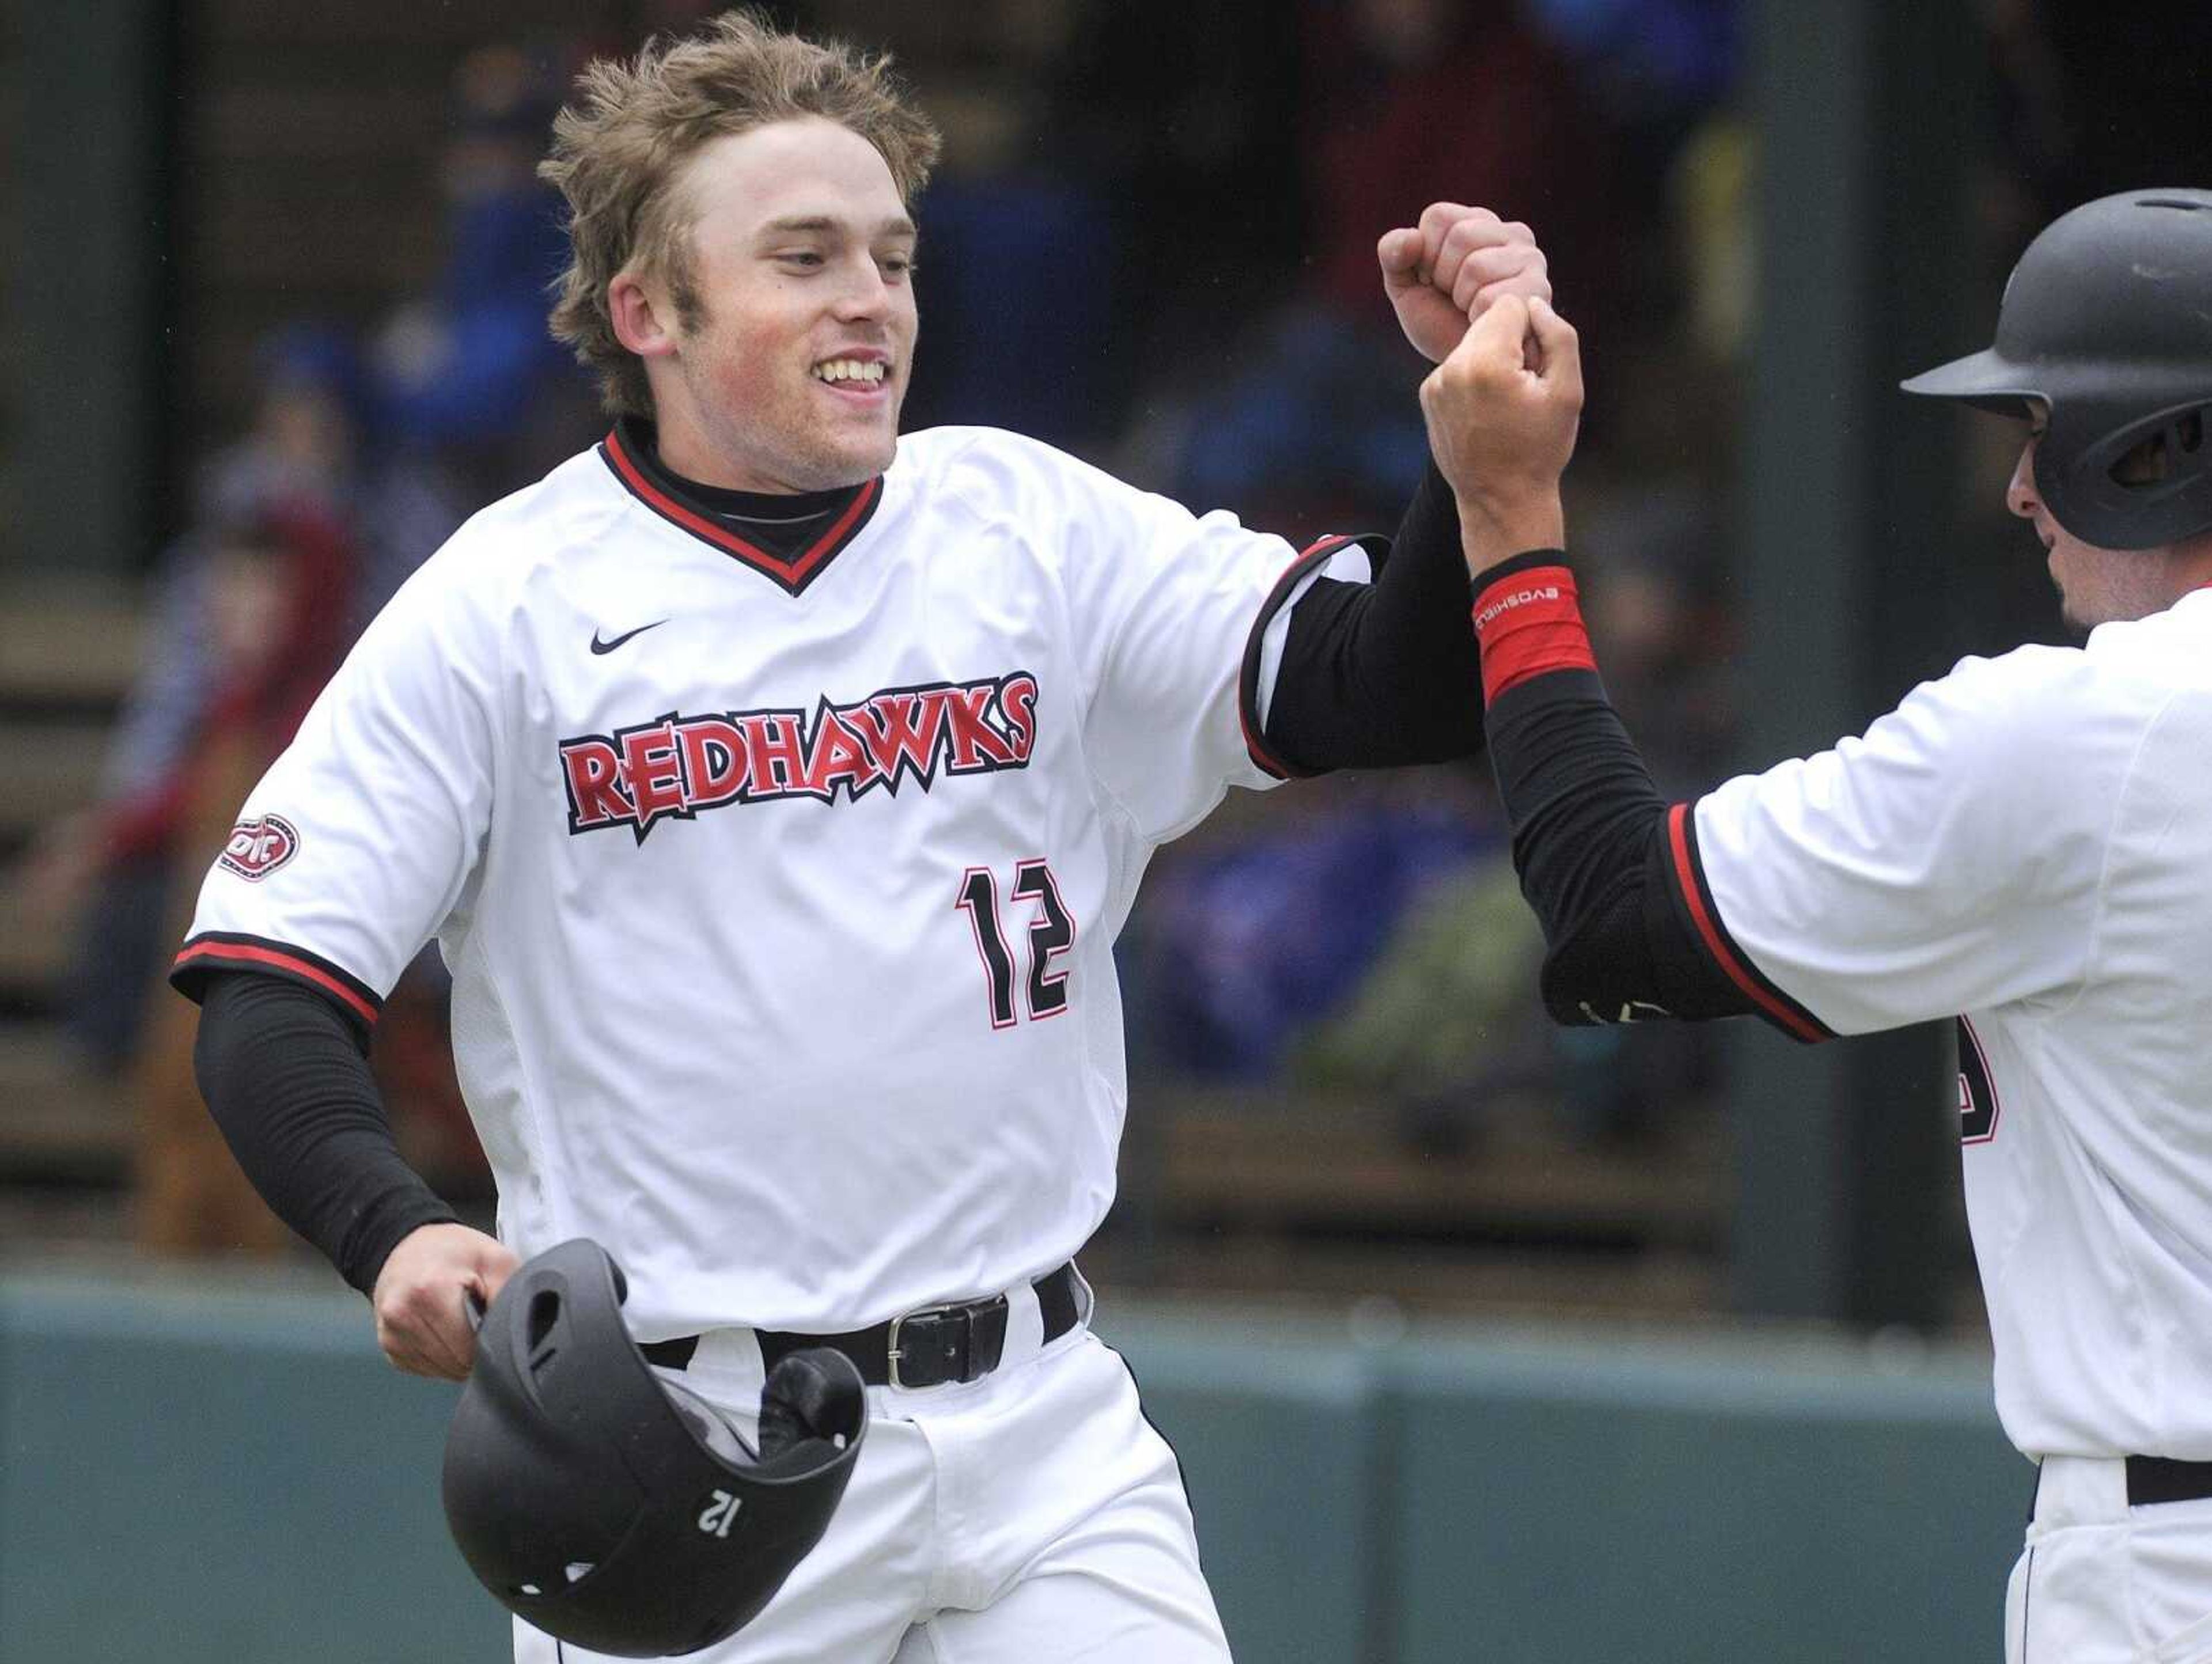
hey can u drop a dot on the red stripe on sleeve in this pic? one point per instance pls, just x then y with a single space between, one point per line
240 953
1527 622
1686 875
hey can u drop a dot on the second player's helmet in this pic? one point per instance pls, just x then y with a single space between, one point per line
617 1511
2107 318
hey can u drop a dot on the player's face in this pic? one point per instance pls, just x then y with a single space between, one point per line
801 255
2095 586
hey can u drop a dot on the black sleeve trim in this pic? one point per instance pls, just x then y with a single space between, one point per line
212 952
287 1078
1248 683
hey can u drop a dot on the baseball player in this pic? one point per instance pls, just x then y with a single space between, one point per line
776 786
2025 844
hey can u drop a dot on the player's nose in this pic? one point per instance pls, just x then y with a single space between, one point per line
2019 491
864 293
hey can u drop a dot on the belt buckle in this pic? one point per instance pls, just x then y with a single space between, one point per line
932 1315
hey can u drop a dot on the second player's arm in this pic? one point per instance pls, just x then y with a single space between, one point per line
1370 675
1945 861
1590 830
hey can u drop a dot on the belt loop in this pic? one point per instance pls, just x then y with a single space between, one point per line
1056 1301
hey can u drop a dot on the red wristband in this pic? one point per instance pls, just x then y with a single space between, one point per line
1526 623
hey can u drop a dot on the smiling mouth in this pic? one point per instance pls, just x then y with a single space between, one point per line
857 375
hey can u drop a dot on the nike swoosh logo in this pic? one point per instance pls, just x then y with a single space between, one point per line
599 646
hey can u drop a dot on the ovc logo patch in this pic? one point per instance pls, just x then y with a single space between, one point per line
258 847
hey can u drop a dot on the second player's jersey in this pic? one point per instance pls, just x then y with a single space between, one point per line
779 896
2026 844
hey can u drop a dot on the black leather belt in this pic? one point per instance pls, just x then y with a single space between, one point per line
2162 1479
925 1348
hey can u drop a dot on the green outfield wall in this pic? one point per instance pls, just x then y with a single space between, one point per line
231 1475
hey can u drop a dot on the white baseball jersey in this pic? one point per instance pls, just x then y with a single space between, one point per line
2026 842
779 896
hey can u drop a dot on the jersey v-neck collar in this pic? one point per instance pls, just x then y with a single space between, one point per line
789 540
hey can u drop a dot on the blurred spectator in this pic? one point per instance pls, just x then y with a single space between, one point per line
275 571
300 530
103 876
472 396
1247 944
1447 1026
1017 281
351 476
1407 102
1654 67
1185 122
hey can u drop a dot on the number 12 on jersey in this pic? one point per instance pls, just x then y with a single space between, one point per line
1051 933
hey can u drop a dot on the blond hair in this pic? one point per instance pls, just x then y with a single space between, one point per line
620 144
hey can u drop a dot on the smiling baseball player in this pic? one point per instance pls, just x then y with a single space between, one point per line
2025 843
775 787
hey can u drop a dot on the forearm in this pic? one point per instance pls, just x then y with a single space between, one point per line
287 1078
1590 830
1374 675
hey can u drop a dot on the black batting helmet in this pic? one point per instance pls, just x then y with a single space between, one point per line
2107 318
617 1511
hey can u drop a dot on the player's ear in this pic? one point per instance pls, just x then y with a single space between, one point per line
643 323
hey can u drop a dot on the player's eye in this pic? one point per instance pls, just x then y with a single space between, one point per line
900 264
801 257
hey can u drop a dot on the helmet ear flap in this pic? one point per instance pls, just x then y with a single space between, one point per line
2156 451
2138 483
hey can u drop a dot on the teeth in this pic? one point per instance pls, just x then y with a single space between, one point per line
849 369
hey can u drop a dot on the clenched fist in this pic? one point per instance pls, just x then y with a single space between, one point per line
1502 413
421 1294
1452 267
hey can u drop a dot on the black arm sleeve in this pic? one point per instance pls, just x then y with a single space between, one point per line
1590 842
286 1075
1377 674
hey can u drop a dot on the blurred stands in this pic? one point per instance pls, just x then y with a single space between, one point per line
312 136
67 652
13 184
68 655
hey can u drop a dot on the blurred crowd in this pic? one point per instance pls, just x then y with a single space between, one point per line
1151 241
367 443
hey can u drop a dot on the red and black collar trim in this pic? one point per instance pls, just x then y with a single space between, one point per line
627 452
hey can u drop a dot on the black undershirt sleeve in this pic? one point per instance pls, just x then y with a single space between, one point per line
286 1075
1377 674
1590 844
